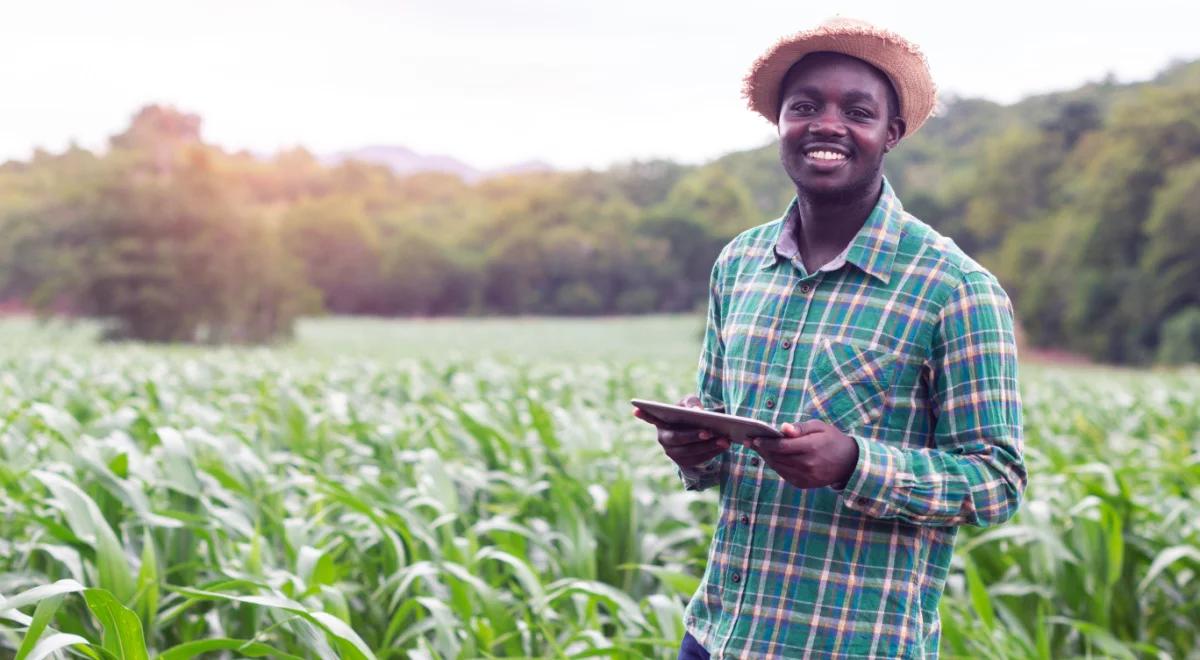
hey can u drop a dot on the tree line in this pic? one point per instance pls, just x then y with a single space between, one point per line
1080 201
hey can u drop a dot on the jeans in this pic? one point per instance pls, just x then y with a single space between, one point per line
690 649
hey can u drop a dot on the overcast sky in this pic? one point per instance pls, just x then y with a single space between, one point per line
494 82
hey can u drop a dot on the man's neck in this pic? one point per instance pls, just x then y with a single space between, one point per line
827 226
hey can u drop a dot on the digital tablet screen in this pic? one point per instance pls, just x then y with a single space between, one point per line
738 429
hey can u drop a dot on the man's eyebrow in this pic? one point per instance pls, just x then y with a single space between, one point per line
852 96
855 95
809 91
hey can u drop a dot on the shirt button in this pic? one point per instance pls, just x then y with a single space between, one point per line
787 343
736 578
745 519
805 288
770 403
754 461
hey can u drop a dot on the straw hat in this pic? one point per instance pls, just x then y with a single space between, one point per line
898 58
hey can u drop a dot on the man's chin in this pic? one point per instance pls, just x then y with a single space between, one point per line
830 193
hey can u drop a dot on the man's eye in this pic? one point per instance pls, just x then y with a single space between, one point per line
858 113
803 107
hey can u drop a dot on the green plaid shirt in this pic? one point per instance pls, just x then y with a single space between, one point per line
907 347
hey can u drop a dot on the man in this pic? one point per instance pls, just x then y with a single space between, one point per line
884 354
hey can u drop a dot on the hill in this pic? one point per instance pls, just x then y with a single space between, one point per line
1080 201
404 162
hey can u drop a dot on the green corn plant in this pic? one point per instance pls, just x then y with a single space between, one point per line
178 503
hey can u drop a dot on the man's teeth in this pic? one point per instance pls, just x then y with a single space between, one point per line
826 155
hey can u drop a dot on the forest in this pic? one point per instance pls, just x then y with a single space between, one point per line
1083 202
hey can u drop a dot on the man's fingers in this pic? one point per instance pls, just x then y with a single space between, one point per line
803 428
694 455
691 456
785 446
683 438
663 426
648 418
690 401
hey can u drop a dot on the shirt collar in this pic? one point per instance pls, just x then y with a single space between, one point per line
873 248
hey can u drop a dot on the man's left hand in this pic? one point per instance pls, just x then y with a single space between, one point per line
813 454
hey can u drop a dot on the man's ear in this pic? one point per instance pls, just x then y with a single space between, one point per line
895 131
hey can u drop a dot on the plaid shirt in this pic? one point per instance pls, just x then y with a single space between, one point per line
907 347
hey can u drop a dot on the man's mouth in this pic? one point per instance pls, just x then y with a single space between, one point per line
825 154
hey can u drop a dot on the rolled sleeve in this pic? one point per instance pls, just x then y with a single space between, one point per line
974 474
709 384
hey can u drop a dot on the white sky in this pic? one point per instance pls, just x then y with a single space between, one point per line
573 82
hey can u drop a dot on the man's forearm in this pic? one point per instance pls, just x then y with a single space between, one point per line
936 486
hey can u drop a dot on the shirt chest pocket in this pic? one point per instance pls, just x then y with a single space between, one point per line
848 385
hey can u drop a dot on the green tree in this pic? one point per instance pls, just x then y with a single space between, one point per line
1171 261
422 276
160 248
1181 338
1078 200
1017 185
164 259
716 199
1123 168
340 248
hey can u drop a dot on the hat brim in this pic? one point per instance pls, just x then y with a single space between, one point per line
900 60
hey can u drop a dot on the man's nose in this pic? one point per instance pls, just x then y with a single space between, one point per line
827 123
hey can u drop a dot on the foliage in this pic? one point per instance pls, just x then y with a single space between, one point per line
340 249
1181 338
287 503
1078 200
154 242
1100 562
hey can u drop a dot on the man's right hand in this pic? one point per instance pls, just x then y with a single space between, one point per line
688 447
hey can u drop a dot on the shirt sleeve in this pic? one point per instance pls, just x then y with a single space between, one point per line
709 386
974 474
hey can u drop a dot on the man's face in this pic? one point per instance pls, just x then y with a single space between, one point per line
835 125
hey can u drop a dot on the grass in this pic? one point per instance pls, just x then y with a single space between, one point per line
667 339
478 488
671 339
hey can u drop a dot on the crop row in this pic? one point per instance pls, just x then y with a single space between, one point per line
174 504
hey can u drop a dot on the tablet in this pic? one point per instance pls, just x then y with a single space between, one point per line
738 429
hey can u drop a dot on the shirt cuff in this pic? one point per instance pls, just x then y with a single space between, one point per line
871 488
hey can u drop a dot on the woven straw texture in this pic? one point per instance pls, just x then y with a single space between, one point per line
900 59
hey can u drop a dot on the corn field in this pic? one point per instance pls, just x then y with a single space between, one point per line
263 503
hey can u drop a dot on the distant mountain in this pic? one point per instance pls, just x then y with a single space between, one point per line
403 160
525 167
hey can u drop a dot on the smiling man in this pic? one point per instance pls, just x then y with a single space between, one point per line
884 354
